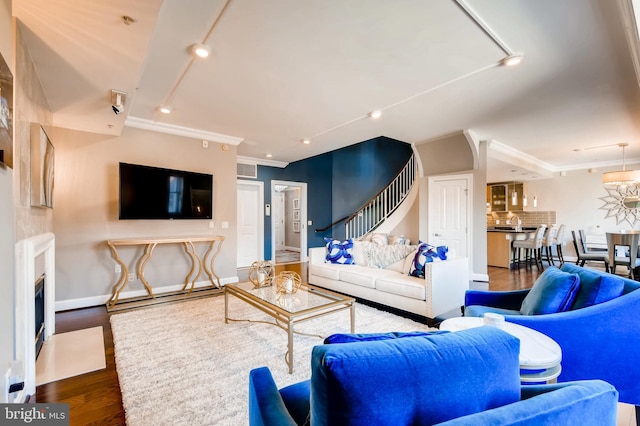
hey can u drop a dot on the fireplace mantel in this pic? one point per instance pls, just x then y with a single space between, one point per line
27 251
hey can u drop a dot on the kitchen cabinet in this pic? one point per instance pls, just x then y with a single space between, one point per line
501 199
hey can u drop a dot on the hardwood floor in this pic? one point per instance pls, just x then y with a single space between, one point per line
95 397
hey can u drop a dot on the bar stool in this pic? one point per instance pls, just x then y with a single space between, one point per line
548 241
559 241
532 248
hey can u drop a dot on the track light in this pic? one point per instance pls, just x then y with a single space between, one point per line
512 60
200 50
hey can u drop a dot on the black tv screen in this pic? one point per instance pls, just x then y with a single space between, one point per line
155 193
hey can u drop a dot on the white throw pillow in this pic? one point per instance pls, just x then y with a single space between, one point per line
398 239
383 256
408 261
361 253
380 239
396 267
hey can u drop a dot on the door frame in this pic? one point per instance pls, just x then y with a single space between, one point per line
303 217
277 203
468 177
259 213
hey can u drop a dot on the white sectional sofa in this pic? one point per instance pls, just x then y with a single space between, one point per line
441 291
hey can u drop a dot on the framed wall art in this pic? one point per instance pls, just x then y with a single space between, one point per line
42 167
6 114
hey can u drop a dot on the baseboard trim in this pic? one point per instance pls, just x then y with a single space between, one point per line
480 277
85 302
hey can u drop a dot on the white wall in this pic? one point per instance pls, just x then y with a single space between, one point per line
86 211
576 200
453 154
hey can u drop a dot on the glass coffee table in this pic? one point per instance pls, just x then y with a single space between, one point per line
307 303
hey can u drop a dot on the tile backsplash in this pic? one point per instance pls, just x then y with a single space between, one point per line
528 218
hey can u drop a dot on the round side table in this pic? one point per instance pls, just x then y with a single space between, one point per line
540 355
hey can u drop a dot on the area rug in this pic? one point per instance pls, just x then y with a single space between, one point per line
180 364
70 354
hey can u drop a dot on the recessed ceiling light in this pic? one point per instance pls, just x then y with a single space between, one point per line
306 141
375 114
165 109
201 50
269 155
512 60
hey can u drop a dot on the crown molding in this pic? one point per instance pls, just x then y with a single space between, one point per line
511 155
154 126
261 162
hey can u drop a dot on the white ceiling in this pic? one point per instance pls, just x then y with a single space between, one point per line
284 70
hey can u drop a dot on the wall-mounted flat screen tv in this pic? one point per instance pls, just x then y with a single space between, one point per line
155 193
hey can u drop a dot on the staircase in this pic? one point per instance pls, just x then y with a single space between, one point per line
381 206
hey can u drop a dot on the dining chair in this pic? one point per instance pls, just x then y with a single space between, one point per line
591 256
629 242
585 244
532 248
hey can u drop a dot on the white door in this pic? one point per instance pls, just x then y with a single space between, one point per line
250 222
278 220
449 201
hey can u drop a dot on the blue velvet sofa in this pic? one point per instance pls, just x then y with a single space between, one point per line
598 327
469 377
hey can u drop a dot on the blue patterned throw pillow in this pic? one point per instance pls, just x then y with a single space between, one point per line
339 251
426 253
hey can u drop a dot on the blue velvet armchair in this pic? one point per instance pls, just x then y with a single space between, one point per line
469 377
599 336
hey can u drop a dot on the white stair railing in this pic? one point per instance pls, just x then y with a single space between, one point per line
383 204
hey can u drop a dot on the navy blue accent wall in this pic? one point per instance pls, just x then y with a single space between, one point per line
338 183
316 173
361 171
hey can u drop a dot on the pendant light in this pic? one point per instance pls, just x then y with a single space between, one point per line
524 200
514 195
535 200
622 177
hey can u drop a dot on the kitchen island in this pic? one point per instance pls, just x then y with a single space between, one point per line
499 244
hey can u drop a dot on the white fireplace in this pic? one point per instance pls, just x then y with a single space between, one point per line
27 253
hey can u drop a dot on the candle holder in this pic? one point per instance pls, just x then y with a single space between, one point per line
287 282
261 273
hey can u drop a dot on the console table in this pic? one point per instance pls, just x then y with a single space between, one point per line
197 264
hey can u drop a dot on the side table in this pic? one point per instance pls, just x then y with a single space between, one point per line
540 355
